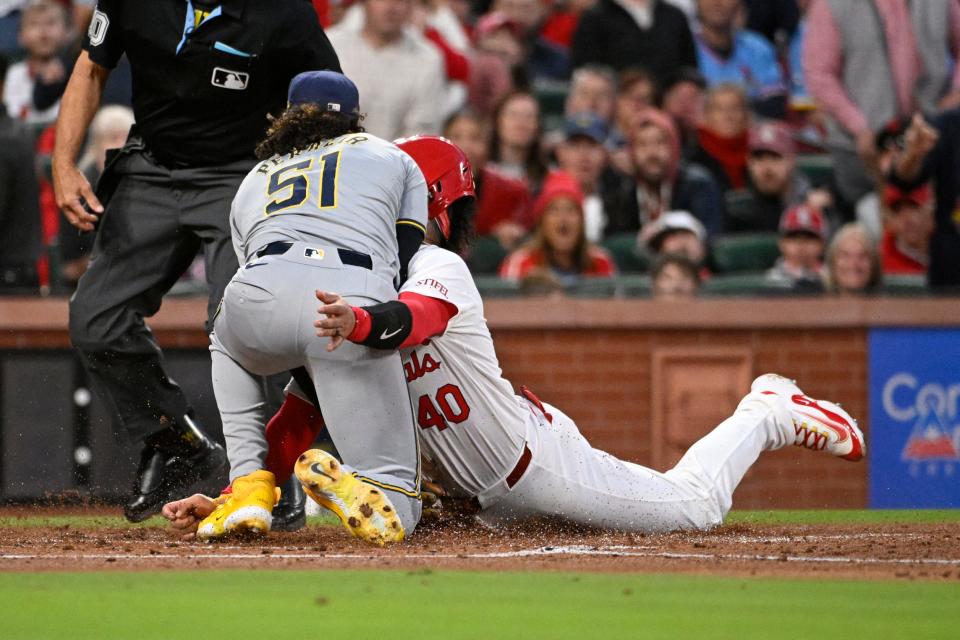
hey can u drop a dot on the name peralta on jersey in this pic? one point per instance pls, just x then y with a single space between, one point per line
348 192
471 423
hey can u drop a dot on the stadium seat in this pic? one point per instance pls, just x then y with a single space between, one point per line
744 284
905 285
745 252
486 254
634 285
739 207
817 167
629 257
496 287
552 96
593 288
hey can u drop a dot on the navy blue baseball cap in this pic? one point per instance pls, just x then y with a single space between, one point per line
328 89
586 125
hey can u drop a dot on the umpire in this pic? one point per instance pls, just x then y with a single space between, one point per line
205 76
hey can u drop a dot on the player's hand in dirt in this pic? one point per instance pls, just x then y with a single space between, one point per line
185 515
339 321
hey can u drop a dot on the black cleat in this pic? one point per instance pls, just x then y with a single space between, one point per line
290 514
164 476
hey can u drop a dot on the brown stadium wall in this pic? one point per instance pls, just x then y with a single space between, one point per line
642 379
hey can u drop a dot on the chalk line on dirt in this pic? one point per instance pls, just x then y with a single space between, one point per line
574 550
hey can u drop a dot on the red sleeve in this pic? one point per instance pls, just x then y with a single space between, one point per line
430 317
517 265
456 64
602 265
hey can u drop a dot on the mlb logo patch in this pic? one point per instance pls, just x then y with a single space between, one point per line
314 254
228 79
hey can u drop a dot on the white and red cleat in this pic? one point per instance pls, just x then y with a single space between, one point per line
817 424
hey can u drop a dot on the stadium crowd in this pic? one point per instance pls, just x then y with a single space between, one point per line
636 147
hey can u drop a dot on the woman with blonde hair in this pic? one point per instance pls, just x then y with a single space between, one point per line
853 262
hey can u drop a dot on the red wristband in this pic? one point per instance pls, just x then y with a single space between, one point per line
362 327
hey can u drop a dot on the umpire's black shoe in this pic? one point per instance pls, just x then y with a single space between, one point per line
164 475
290 514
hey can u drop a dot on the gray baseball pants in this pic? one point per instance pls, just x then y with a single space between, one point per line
156 220
265 326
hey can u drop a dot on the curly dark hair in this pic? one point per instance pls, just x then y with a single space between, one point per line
461 214
302 125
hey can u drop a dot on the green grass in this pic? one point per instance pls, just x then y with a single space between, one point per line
453 605
77 521
842 516
779 517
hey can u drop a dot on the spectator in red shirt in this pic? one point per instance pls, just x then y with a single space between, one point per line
503 204
560 25
723 135
559 249
905 247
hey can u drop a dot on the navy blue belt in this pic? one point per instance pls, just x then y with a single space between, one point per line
347 256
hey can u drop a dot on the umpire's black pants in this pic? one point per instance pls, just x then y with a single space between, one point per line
155 221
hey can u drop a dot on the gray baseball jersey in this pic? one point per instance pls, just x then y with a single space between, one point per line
345 192
348 193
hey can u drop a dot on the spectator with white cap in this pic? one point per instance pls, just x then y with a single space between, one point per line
677 233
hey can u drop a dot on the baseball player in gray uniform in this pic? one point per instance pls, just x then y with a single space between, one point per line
329 206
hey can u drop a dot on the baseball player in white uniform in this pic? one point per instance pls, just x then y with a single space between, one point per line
514 456
335 207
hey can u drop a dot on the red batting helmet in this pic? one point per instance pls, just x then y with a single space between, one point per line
447 171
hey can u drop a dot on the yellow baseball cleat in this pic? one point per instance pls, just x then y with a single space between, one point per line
247 510
364 509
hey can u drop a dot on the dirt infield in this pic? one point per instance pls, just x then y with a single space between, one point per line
892 551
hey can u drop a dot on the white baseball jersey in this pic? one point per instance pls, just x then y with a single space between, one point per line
475 429
347 192
471 423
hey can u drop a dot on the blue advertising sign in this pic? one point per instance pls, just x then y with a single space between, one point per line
913 443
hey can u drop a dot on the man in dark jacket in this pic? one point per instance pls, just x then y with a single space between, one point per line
773 182
662 184
621 34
